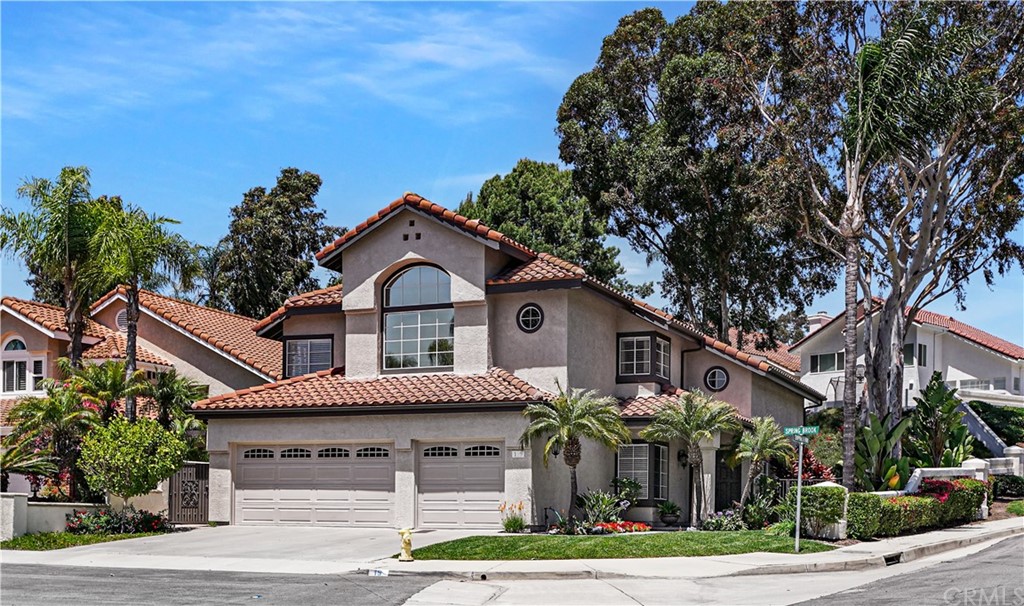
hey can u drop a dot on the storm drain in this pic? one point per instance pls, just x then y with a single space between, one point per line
893 558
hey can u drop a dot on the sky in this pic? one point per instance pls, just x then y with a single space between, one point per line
182 107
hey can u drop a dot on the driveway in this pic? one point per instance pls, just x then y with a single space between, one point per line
320 550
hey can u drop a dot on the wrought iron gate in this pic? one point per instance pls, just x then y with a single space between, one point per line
189 494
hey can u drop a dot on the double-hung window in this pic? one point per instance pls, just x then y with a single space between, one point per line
303 356
647 464
662 357
829 362
643 357
419 320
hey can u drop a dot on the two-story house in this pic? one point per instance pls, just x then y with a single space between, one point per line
403 389
980 365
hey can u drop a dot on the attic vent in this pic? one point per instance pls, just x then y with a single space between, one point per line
122 320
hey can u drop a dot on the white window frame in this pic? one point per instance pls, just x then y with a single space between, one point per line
661 472
913 354
637 345
25 359
414 339
999 383
295 369
922 354
634 463
839 358
662 358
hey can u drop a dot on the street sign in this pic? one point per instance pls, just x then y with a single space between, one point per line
804 430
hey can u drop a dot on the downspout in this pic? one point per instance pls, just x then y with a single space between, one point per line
682 363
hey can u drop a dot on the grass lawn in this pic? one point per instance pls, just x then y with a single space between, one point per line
45 541
638 545
1016 508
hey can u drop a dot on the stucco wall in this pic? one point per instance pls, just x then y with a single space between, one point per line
769 399
738 390
36 343
319 324
403 430
538 357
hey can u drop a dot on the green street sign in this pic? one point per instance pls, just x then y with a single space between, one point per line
804 430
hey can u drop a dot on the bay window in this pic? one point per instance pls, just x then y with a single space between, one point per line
647 464
643 357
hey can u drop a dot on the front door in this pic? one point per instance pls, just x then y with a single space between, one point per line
727 482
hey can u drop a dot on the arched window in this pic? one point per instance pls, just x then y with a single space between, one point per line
22 371
15 345
419 321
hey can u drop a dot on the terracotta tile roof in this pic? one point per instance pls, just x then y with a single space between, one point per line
410 200
114 346
330 389
228 332
51 317
544 267
647 406
324 297
780 355
6 405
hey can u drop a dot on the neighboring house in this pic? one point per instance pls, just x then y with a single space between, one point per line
403 390
982 366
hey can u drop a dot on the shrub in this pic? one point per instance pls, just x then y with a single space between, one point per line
813 468
512 516
828 448
107 521
863 513
963 503
1007 422
729 519
599 506
1016 508
130 459
785 528
1008 486
668 508
918 513
890 519
820 506
628 489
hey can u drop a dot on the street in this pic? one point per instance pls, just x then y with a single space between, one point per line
988 574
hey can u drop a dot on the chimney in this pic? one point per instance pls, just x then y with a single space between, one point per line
816 321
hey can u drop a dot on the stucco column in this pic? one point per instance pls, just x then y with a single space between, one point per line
405 486
979 470
519 479
220 487
709 453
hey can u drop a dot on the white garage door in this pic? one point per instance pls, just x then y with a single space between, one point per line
460 485
336 485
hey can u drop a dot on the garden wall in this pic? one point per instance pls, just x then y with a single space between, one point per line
18 516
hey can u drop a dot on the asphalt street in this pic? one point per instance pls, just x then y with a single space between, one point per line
67 585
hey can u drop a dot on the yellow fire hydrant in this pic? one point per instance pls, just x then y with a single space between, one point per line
406 555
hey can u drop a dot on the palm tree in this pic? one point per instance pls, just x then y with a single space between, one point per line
765 443
56 424
20 458
570 417
104 385
192 432
173 394
53 240
134 248
695 418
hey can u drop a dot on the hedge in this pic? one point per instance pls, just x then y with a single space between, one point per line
1008 486
863 514
941 503
820 506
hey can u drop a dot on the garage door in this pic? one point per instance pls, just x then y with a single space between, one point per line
336 485
460 485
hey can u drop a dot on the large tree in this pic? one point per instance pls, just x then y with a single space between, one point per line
53 241
660 141
535 204
271 243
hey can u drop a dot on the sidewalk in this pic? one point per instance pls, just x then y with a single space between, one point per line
855 557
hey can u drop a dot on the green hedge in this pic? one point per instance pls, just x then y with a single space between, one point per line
863 514
1008 486
820 506
941 503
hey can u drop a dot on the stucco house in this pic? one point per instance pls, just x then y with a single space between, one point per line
401 397
980 365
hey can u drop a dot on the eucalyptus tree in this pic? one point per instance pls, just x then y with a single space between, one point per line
134 249
52 239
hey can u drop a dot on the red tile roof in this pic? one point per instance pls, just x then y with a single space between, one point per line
324 297
644 407
330 389
114 346
230 333
780 355
6 405
543 268
51 317
414 201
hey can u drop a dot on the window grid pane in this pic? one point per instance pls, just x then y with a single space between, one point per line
661 471
634 356
423 339
663 358
633 464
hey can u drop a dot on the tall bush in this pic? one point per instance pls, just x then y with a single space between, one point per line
863 515
820 506
130 459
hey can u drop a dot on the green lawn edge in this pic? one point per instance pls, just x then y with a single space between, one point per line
629 545
1016 508
48 541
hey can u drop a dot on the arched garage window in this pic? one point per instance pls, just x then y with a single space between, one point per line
419 320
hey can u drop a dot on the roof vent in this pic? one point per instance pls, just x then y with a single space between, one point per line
122 320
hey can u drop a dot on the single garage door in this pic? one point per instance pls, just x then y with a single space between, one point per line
461 485
335 485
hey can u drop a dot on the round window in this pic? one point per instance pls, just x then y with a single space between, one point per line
530 317
716 379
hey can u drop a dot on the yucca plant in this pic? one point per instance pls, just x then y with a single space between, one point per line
571 417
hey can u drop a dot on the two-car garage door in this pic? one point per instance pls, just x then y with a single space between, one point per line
336 485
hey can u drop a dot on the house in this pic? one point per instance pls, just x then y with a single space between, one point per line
402 390
980 365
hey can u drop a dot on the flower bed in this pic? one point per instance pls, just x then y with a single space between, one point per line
107 521
617 527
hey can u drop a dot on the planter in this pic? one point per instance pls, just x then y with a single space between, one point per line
670 519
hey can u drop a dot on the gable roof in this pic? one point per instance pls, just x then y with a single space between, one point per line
329 389
316 299
114 346
929 318
51 317
230 334
645 407
780 355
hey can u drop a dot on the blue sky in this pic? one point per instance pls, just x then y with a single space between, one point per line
183 107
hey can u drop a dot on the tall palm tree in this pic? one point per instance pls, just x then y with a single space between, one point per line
572 416
104 385
765 443
695 418
134 248
56 424
173 394
21 458
53 240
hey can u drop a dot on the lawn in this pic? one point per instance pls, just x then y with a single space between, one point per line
1016 508
45 541
632 545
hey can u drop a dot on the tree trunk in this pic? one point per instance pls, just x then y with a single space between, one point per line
852 254
74 319
573 489
5 480
748 488
132 313
887 364
697 507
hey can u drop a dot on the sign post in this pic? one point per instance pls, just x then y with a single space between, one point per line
799 434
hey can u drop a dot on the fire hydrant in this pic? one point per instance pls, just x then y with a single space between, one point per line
406 555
